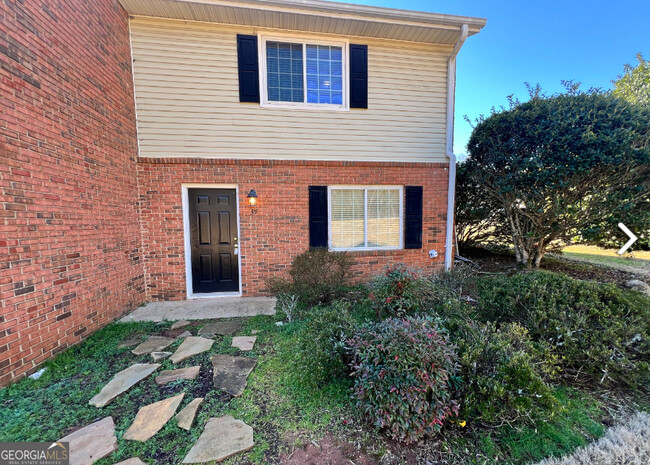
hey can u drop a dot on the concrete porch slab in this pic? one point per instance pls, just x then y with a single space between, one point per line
203 309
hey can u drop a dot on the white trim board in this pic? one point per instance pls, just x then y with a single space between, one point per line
188 246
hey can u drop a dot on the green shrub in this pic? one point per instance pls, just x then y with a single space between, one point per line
504 374
597 331
400 292
404 371
287 305
321 353
317 276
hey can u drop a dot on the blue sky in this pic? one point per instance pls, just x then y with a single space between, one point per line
541 42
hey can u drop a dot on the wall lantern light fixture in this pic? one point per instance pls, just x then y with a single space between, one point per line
252 201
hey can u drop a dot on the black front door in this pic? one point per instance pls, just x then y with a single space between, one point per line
214 241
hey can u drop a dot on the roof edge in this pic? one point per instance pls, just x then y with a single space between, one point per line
348 9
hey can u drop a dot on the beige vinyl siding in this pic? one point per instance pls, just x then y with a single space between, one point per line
187 101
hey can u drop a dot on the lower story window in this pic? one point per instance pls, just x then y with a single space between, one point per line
365 218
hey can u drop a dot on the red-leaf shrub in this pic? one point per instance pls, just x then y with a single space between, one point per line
404 372
400 292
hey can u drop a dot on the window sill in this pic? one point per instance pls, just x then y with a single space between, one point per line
369 249
304 106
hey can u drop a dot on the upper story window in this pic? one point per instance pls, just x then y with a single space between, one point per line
303 73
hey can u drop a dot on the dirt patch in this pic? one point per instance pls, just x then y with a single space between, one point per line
327 452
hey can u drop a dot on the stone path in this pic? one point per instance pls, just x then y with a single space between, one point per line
244 343
122 381
131 341
192 345
132 461
168 376
222 438
223 328
152 418
157 356
153 344
180 324
231 373
92 442
186 416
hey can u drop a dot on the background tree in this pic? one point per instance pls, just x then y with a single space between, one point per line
634 84
553 164
634 87
479 220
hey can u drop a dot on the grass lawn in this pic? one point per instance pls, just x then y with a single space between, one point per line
279 411
282 411
609 257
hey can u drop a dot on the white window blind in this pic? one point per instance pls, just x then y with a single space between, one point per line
365 218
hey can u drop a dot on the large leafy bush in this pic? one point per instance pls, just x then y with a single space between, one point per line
321 351
404 374
505 375
403 291
400 292
558 166
317 276
598 331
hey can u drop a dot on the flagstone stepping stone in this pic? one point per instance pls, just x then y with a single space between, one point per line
153 344
231 373
186 416
151 418
255 331
132 461
160 355
223 328
122 381
244 343
131 341
191 346
180 324
168 376
184 335
222 438
92 442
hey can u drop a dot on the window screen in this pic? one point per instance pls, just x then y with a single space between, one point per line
290 67
324 74
284 72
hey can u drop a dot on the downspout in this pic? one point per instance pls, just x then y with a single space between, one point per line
451 191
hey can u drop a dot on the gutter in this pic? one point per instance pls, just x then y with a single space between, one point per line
451 191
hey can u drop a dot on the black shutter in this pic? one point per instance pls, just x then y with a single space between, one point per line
413 218
358 76
318 216
249 74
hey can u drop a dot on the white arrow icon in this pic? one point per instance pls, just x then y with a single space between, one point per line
629 243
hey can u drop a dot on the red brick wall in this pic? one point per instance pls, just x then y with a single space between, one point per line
272 237
69 235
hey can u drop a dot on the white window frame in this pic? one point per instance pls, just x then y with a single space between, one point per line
304 40
365 217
